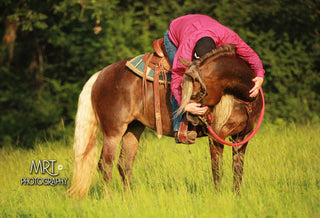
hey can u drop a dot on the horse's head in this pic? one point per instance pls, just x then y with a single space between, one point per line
218 73
201 81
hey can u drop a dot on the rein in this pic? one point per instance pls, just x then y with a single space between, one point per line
222 141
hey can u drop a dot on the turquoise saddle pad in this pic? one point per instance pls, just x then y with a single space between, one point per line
137 66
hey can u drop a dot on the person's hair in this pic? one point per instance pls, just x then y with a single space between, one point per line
203 46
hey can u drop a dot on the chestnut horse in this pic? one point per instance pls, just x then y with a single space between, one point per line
112 98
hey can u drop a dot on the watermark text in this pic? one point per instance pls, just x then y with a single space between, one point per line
44 167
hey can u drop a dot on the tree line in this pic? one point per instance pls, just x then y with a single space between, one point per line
50 48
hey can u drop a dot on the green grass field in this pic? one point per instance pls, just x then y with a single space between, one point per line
281 179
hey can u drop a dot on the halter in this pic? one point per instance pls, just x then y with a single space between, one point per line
203 89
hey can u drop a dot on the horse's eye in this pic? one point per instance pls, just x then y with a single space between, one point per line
194 95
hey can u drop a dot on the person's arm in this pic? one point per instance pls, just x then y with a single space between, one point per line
247 54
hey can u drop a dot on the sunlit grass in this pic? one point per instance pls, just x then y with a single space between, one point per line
281 179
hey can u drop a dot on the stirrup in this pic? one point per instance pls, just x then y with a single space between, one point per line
184 135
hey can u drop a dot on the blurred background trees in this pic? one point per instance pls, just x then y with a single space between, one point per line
50 48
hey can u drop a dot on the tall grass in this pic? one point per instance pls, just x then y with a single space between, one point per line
281 179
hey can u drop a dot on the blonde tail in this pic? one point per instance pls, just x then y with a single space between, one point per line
85 147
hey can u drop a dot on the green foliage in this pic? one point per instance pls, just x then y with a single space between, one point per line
57 45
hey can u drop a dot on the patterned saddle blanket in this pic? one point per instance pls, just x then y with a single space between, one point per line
138 65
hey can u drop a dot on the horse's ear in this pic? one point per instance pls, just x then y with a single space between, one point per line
185 62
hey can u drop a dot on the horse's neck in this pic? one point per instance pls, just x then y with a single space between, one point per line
233 76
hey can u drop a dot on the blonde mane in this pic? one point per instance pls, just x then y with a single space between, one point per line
222 112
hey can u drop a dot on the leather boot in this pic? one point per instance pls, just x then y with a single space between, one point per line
189 139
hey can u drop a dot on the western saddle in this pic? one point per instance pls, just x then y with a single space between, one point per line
159 62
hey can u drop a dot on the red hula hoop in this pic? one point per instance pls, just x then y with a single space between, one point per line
220 140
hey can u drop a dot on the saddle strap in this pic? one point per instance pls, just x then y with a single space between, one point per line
144 80
156 94
160 64
183 129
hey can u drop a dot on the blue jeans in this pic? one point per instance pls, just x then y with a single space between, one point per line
170 47
171 51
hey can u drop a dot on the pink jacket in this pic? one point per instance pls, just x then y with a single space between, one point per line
185 31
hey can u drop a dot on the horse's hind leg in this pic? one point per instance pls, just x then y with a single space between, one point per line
109 152
128 152
238 161
216 151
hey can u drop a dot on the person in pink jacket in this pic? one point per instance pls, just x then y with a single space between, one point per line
192 36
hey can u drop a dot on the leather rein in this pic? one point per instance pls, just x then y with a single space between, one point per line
207 120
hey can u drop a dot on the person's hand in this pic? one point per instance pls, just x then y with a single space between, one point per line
257 84
195 108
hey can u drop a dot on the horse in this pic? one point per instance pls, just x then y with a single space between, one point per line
112 99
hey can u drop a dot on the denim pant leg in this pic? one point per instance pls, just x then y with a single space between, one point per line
170 47
176 119
171 51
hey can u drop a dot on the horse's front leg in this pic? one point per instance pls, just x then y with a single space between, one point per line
216 151
238 162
